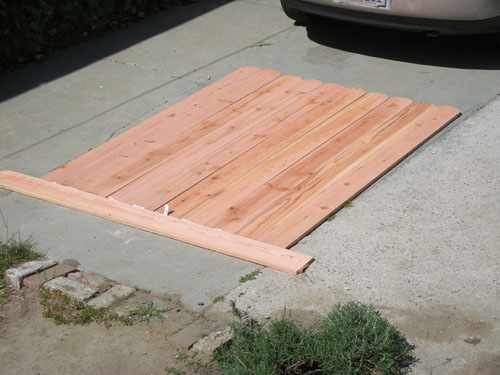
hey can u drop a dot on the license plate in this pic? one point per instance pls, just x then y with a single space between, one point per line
368 3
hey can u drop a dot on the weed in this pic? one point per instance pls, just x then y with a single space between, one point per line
12 253
146 312
250 276
354 339
187 360
331 217
218 299
347 204
65 310
173 371
263 44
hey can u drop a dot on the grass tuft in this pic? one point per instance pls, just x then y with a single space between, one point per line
219 299
249 276
65 310
13 253
146 312
354 339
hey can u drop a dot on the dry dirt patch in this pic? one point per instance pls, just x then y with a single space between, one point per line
32 344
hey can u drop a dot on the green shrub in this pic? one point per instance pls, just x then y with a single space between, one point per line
354 339
32 29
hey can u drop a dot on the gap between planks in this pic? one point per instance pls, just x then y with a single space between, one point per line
179 229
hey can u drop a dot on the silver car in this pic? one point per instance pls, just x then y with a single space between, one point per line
433 17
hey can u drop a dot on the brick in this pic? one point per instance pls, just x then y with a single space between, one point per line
94 281
34 282
75 276
14 276
187 337
113 295
71 288
211 342
71 262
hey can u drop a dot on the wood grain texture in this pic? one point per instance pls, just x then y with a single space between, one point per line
195 105
230 172
132 153
212 239
309 216
209 213
247 141
157 187
255 159
249 217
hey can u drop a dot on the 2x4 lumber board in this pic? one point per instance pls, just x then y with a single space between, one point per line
153 136
162 183
229 173
291 180
210 212
230 151
209 238
196 103
308 216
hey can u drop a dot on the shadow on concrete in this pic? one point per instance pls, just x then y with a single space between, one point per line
77 57
461 52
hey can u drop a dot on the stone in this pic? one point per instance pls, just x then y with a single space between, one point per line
113 295
71 288
34 282
75 276
14 276
187 337
71 262
211 342
94 281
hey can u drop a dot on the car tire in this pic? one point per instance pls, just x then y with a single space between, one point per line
295 14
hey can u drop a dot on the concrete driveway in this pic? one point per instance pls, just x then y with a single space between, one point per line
422 244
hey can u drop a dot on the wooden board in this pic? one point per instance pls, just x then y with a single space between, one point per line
261 156
179 229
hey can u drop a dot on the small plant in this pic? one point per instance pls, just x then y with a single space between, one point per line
331 217
250 276
187 360
218 299
65 310
146 312
12 253
263 44
347 204
354 339
174 371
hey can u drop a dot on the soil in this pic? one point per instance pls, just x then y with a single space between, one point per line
32 344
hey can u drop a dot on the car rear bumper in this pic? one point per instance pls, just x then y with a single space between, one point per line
450 17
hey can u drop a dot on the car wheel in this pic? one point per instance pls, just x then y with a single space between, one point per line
295 14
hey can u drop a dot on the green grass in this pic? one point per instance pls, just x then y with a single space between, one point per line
354 339
347 204
219 299
263 44
65 310
146 312
13 253
250 276
331 217
174 371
